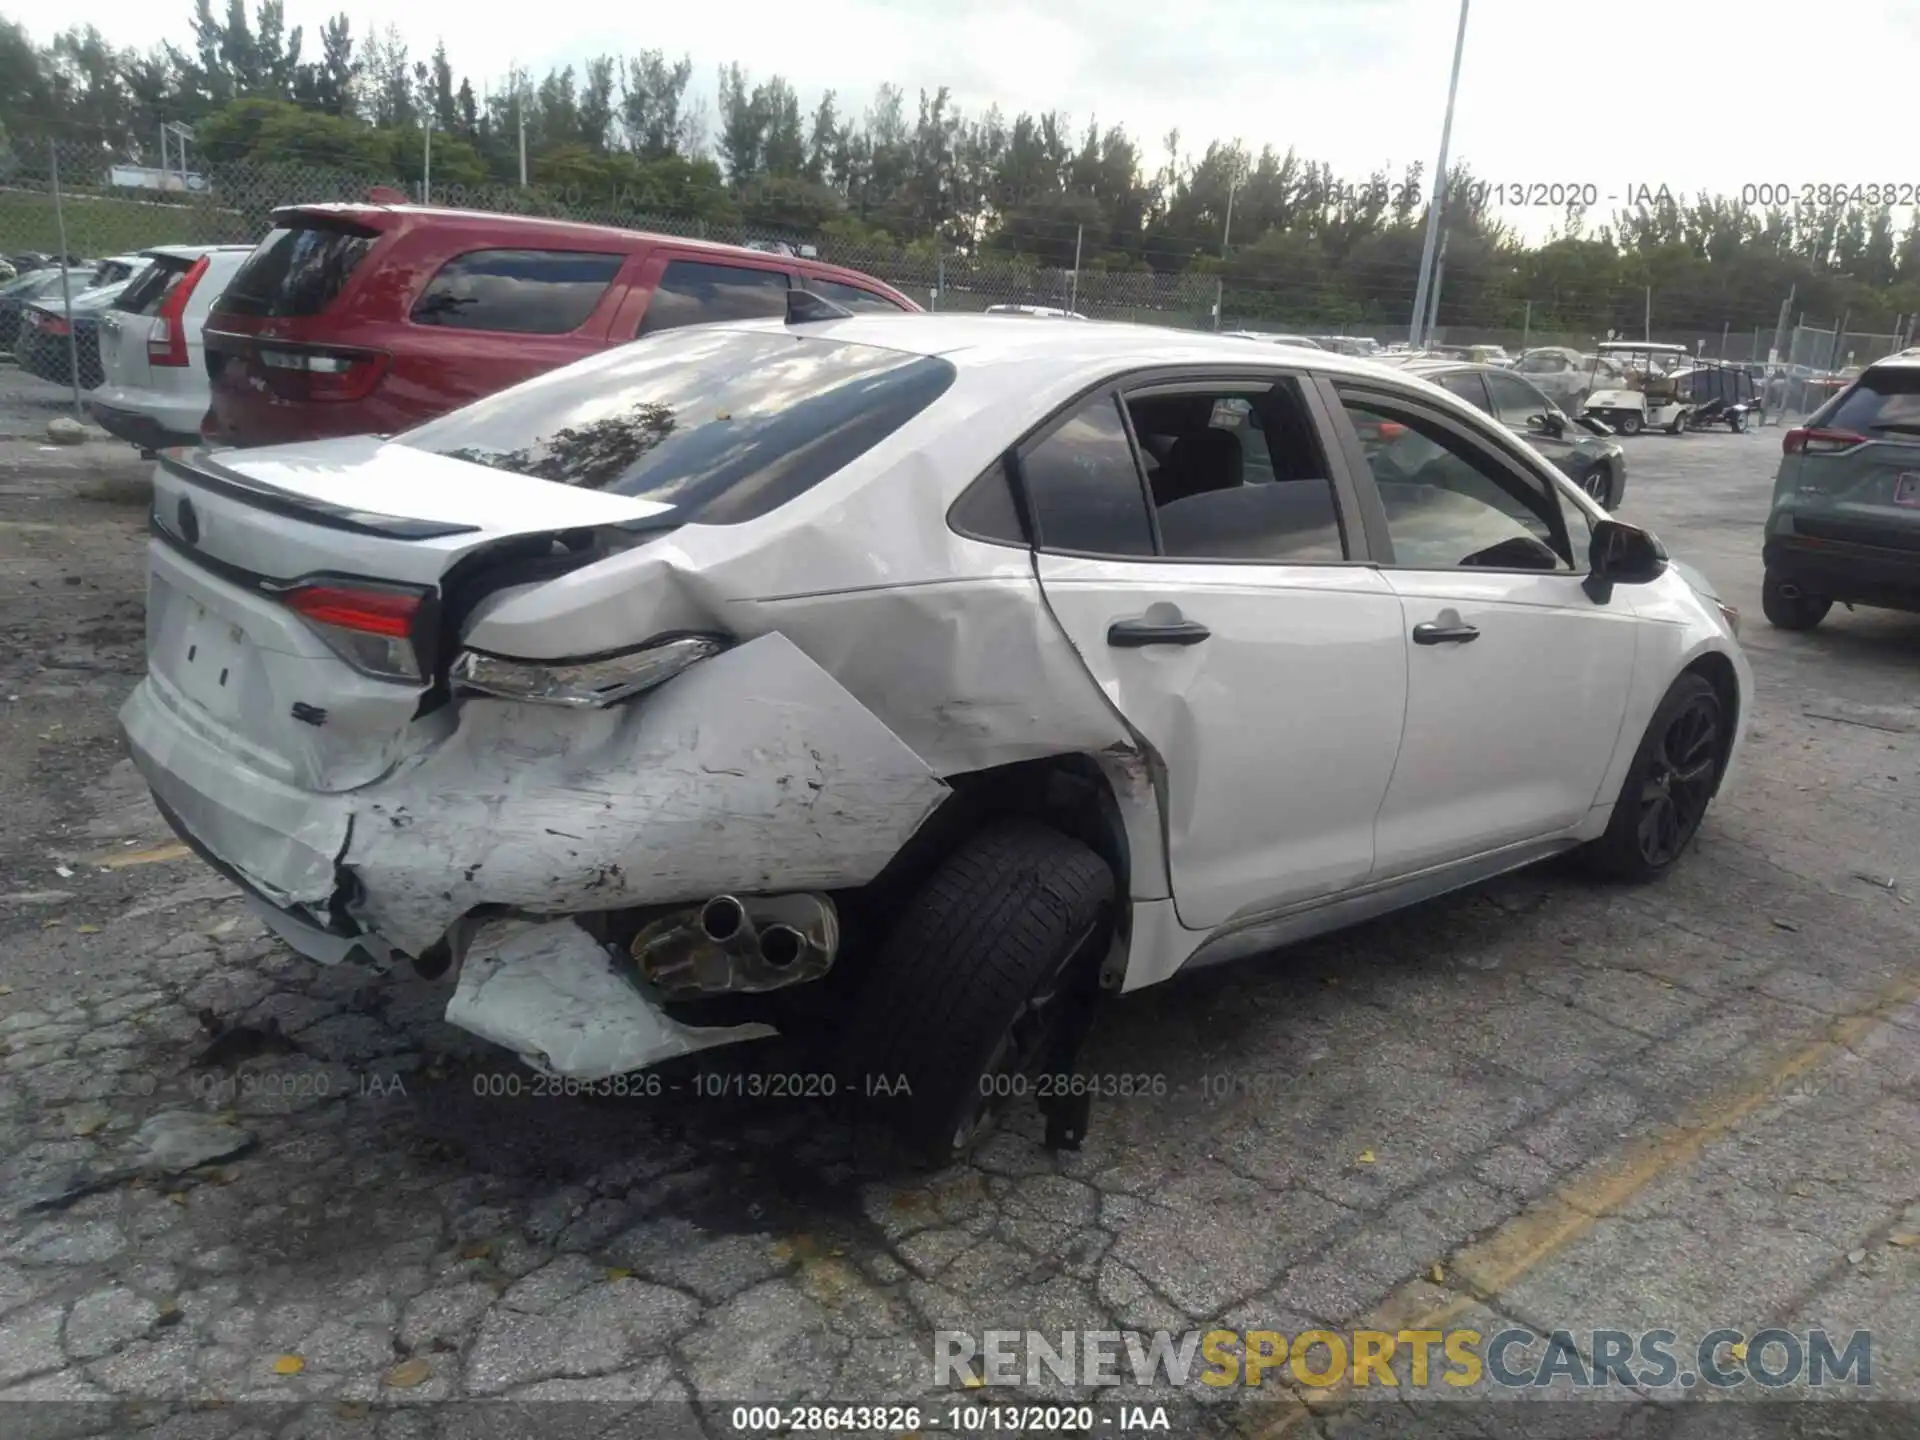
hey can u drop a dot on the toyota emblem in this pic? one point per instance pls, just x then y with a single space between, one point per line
189 522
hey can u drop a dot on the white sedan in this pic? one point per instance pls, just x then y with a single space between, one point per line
903 683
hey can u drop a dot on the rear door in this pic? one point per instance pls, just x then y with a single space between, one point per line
1205 558
1855 474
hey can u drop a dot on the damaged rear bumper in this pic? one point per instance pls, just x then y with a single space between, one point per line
754 772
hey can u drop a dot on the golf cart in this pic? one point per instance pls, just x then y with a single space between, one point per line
1653 396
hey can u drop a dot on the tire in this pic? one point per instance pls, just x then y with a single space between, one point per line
1795 612
1016 916
1630 422
1679 425
1737 423
1668 787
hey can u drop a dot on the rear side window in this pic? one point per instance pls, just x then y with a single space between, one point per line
148 290
852 297
1886 400
695 292
529 292
722 426
298 270
1084 484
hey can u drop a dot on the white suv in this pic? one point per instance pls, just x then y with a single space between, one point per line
155 391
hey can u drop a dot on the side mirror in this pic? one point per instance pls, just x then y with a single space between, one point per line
1551 423
1622 555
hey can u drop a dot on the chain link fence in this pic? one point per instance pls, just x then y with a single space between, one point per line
104 208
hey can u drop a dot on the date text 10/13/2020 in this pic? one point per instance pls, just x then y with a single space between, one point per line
1587 194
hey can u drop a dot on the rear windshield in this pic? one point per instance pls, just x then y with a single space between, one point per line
297 270
148 290
723 425
1886 400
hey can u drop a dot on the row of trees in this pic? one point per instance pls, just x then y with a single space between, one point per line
633 131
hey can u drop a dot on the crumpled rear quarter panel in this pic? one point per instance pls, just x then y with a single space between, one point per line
752 771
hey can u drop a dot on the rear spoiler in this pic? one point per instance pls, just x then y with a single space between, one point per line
200 468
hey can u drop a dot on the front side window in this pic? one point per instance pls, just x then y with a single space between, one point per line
1450 503
697 292
1465 385
721 426
1516 404
527 292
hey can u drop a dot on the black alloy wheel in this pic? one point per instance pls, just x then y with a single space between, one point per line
1676 788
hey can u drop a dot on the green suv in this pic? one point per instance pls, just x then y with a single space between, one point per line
1845 523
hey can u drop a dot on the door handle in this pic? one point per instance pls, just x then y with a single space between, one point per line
1133 634
1432 634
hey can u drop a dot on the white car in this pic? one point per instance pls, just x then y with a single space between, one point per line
902 682
1299 342
155 391
1042 312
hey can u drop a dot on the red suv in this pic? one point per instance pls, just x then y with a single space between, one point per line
370 319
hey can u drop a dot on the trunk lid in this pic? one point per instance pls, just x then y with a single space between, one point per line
252 551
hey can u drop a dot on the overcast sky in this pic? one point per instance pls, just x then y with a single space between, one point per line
1618 94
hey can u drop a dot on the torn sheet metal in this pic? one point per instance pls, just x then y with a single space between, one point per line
549 992
753 772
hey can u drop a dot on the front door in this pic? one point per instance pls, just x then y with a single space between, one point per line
1194 545
1517 681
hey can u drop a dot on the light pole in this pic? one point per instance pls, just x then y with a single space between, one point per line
1414 335
1233 185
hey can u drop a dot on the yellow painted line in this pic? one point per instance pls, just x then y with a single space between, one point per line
158 855
1552 1224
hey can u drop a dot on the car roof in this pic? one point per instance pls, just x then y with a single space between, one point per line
1096 347
1611 347
493 223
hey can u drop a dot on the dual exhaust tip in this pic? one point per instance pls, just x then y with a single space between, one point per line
724 918
739 946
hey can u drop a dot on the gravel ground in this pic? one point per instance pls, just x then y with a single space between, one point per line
1543 1104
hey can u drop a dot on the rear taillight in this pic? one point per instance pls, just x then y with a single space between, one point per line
50 324
321 374
1819 442
167 340
371 627
592 684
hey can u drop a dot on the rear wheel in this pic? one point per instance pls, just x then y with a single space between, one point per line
1667 789
972 987
1791 611
1736 423
1679 425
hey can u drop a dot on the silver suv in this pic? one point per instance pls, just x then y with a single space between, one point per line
155 391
